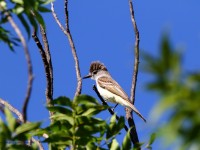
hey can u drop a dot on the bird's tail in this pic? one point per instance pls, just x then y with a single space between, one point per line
135 110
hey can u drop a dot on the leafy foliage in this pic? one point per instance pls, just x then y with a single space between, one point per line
27 11
180 96
14 135
75 125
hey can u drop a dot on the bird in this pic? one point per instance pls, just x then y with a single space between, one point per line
108 88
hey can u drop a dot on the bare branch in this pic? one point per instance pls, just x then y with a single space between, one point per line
28 59
12 109
49 74
129 116
57 20
136 64
78 73
71 43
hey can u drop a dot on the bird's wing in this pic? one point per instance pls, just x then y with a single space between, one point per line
112 86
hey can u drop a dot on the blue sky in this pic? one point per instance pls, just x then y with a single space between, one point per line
102 30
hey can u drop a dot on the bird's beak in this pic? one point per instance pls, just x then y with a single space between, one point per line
88 76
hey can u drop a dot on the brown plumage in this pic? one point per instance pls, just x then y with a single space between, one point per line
96 66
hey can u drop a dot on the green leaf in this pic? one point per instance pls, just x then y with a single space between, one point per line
18 10
32 20
86 100
114 145
115 127
21 2
60 109
59 138
62 101
152 138
10 119
60 117
25 24
5 134
26 128
59 126
43 9
82 120
21 147
3 5
86 110
126 142
39 18
91 145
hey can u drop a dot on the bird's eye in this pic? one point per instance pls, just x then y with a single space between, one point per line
95 72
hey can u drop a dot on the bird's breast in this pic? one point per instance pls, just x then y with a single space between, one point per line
107 95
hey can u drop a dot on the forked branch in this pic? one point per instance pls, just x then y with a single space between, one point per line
71 43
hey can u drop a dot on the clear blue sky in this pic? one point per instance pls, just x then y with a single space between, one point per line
102 30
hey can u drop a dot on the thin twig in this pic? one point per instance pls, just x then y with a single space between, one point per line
46 64
28 59
20 118
57 20
12 109
136 63
104 103
71 43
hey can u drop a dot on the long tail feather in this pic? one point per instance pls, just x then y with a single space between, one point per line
135 110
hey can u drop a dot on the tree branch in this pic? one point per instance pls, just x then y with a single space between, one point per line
129 116
78 73
136 64
12 109
48 56
71 43
47 67
28 59
57 20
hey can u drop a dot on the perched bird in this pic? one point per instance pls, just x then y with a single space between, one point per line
108 88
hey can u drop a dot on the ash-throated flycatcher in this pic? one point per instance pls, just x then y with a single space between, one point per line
108 88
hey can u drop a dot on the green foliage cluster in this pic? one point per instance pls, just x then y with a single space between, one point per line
74 126
14 136
28 13
179 95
